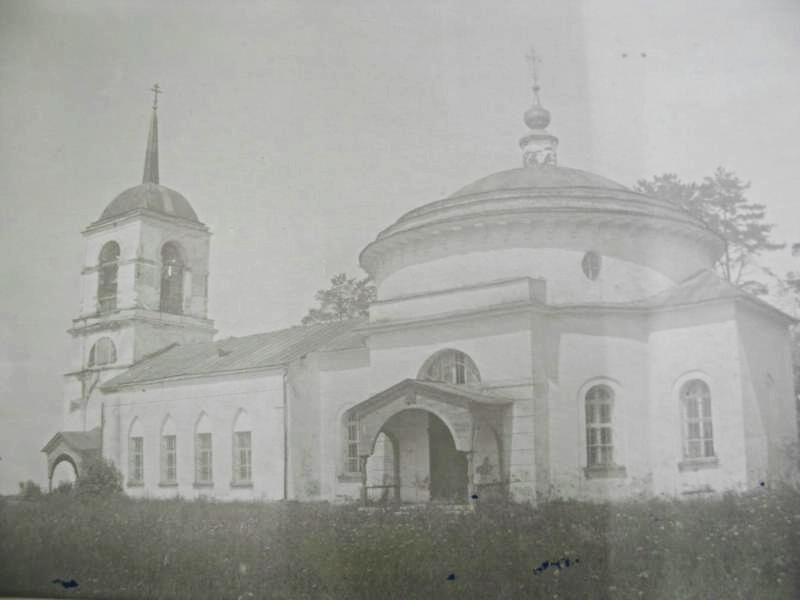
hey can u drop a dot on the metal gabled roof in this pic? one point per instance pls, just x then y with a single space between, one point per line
235 354
80 441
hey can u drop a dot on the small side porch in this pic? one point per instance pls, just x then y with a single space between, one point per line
73 447
427 441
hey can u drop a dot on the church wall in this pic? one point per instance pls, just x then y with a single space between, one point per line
195 244
490 294
768 397
221 399
701 344
344 382
501 347
592 351
127 235
619 279
303 400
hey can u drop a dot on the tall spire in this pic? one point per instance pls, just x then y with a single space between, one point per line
538 146
151 154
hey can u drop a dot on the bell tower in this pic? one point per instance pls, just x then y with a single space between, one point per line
144 286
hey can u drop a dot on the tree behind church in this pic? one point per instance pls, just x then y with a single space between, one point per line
719 201
347 298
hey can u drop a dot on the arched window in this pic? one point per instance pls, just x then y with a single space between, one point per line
600 427
172 267
169 453
698 433
107 277
203 452
242 450
136 454
102 353
450 366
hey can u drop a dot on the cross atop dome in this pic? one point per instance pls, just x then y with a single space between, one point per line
538 146
156 89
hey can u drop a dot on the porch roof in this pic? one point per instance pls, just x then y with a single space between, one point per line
458 406
78 441
462 396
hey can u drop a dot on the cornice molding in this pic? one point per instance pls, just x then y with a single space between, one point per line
530 228
144 214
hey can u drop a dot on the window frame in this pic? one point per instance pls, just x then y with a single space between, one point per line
611 449
703 422
201 465
103 352
599 415
166 453
352 426
240 451
450 366
108 277
135 460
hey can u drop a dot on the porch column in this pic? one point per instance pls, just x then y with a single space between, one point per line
470 475
362 461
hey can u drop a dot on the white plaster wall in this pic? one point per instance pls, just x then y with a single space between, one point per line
344 382
195 244
221 399
619 280
305 451
586 360
703 344
768 395
490 294
127 235
500 347
139 275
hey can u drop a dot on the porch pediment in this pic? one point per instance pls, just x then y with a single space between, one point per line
457 405
79 442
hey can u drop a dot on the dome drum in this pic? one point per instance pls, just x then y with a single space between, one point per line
540 210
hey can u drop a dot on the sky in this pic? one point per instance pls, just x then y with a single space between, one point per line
299 130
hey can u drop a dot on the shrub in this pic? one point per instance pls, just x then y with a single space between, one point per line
64 487
29 490
99 477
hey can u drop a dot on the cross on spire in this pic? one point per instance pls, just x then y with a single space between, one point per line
156 89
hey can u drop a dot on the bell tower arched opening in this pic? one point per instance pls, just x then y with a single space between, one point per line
172 269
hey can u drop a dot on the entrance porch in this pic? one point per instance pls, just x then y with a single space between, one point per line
426 441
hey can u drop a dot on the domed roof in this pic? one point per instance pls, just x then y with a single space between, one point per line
150 196
538 177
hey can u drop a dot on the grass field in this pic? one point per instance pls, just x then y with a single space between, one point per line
734 547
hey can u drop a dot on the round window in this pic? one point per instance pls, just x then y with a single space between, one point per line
591 264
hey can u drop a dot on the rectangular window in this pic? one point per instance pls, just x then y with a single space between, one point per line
242 457
169 463
203 459
353 460
599 435
136 460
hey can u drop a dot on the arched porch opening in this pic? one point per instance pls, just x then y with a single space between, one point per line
443 442
62 460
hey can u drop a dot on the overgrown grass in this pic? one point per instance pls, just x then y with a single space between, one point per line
735 547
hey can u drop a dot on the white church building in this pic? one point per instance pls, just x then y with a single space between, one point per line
541 333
